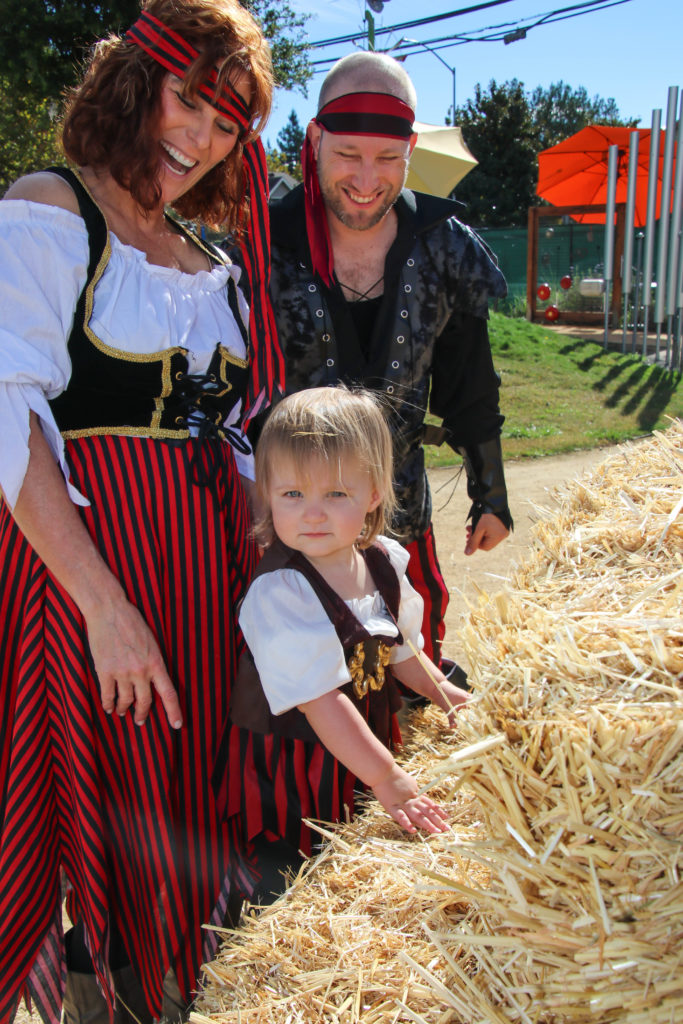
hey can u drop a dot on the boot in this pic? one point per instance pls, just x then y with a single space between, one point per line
174 1009
85 1004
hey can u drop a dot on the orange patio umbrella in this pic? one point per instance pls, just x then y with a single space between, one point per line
574 172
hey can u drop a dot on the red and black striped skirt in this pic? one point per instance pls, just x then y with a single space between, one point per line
267 785
125 814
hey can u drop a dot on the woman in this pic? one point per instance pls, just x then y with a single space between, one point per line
127 370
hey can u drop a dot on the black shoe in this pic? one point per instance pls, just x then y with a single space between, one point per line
454 674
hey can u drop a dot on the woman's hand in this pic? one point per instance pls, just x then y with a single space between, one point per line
129 665
397 792
126 656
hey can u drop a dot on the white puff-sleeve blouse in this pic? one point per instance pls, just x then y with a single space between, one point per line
294 645
138 307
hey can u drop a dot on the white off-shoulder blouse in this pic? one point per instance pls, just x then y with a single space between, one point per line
294 645
138 307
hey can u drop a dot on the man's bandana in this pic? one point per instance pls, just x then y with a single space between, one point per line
356 113
175 54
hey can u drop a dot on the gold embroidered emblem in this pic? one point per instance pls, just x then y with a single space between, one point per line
356 664
358 677
383 656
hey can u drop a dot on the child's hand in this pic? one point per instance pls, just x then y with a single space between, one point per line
398 795
455 698
422 676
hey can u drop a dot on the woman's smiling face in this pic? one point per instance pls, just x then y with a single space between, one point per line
193 136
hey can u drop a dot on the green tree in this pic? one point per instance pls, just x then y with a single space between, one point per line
506 128
28 135
286 33
290 139
560 111
275 160
498 127
44 42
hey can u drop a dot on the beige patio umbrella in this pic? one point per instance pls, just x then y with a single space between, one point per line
440 159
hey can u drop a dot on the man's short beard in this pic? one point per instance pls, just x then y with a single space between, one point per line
335 204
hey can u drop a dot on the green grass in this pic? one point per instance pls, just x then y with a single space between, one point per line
561 394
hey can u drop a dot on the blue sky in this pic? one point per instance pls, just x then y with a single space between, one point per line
632 52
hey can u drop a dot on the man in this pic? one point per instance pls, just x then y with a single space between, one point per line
376 285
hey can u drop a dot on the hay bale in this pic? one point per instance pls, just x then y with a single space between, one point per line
582 916
556 898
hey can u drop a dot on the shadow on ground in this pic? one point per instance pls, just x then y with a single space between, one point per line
645 392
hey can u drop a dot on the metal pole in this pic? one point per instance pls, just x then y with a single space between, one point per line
679 307
674 240
371 29
664 210
612 164
652 180
636 300
418 42
630 218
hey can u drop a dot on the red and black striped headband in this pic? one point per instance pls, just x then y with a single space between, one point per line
367 113
174 53
355 113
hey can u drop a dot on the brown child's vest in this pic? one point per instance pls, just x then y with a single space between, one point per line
249 707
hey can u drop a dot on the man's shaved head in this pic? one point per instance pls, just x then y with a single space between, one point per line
365 71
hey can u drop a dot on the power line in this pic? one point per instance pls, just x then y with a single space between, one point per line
498 33
408 24
387 29
491 33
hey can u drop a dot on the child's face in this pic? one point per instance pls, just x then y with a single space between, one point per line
321 512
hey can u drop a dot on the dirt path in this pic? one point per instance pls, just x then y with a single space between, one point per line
530 484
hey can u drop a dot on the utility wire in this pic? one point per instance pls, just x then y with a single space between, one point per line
492 33
410 24
583 8
496 33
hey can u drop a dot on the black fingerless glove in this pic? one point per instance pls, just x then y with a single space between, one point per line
486 481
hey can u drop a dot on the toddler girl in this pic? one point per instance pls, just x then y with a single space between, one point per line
330 620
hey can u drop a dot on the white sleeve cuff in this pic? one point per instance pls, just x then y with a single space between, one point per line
293 643
16 402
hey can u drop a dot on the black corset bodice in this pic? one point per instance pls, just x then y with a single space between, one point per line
114 391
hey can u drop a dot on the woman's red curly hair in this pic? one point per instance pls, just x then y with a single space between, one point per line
111 117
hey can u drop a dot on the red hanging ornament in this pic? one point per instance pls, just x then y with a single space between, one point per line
552 314
543 292
566 282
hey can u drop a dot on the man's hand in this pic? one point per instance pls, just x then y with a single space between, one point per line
490 531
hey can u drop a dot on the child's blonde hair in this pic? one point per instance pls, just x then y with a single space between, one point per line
328 423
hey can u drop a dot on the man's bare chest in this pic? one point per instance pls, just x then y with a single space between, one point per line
361 276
